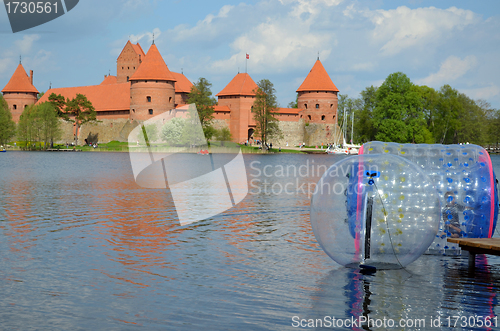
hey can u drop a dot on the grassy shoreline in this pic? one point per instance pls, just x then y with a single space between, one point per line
115 146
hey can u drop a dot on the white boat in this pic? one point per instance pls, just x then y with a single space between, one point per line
337 150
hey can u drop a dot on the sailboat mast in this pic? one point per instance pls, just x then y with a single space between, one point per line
352 127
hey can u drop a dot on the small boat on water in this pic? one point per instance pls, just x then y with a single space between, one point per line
337 150
3 151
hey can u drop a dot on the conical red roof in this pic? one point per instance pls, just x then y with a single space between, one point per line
317 80
182 84
242 84
109 80
153 67
20 82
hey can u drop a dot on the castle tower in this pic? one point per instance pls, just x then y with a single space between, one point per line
152 89
129 61
317 96
239 96
20 92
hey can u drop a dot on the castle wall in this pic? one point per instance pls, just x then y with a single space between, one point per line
181 98
107 130
287 117
115 114
312 134
220 124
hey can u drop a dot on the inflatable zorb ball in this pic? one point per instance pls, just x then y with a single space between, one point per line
378 211
464 178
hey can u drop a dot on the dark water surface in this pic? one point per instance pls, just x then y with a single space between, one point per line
82 247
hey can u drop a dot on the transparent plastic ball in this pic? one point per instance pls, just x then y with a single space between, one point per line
378 211
464 178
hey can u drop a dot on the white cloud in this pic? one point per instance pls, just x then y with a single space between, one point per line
485 93
307 9
222 13
210 25
403 28
451 69
156 33
273 46
20 47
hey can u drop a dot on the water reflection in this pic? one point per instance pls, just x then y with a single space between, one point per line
84 247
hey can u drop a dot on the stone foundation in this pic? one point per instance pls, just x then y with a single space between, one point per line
107 130
294 133
312 134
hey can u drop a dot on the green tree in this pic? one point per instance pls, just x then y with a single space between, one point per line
25 128
38 126
493 125
7 125
172 131
82 110
264 108
50 126
363 126
294 104
223 134
446 123
59 104
473 121
202 96
398 114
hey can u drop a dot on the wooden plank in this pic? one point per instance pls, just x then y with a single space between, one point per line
485 244
475 246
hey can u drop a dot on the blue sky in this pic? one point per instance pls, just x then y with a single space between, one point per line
359 42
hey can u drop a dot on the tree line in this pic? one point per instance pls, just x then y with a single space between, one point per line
403 112
39 125
397 111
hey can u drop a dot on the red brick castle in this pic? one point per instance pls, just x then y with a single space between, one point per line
144 87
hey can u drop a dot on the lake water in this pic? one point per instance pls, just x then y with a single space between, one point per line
82 247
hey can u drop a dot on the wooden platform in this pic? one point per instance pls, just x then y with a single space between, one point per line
475 246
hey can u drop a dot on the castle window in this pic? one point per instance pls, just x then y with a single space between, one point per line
149 98
134 67
15 106
323 117
25 106
170 99
151 112
128 78
331 105
305 105
122 68
317 106
128 67
309 117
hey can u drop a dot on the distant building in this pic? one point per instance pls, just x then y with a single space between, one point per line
144 87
